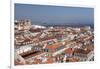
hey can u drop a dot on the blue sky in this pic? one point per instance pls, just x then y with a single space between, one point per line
54 14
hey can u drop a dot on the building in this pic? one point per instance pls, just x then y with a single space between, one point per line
82 54
22 25
55 48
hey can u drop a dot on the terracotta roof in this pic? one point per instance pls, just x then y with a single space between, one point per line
69 51
54 46
47 38
26 40
81 51
49 60
91 47
74 59
37 61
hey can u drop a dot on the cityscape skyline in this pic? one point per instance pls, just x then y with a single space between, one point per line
34 44
46 34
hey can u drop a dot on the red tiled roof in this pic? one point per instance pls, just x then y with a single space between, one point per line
49 60
54 46
74 59
81 51
69 51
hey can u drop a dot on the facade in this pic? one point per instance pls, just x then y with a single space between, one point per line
83 55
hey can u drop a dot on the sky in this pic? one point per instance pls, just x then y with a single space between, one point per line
46 14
